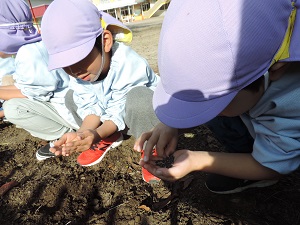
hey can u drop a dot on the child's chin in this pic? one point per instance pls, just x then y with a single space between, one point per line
87 78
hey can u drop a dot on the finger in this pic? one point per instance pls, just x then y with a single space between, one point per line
68 150
53 150
162 173
91 135
149 146
151 162
152 158
75 148
139 143
170 174
171 147
72 145
66 153
166 144
58 153
161 145
80 136
78 146
60 141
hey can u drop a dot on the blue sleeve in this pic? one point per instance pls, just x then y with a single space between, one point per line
275 121
277 143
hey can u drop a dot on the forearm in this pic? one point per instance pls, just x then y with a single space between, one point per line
106 129
7 87
237 165
9 92
92 122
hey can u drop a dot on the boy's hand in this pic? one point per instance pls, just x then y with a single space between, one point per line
162 137
75 142
183 165
59 144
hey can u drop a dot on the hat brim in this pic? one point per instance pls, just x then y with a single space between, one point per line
69 57
186 114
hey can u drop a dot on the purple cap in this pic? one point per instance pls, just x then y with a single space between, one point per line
16 27
211 50
70 29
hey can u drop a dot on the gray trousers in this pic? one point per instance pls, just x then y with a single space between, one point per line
72 107
140 116
40 119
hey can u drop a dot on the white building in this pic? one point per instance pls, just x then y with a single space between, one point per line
130 10
124 10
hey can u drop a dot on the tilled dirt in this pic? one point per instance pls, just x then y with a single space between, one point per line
59 191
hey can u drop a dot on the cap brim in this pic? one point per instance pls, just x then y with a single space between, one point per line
185 114
71 56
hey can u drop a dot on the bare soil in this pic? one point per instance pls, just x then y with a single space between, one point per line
59 191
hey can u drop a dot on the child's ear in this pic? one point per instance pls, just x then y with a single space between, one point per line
107 40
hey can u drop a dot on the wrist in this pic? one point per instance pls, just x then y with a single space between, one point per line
200 160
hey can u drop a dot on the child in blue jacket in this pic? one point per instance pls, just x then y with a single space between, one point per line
92 50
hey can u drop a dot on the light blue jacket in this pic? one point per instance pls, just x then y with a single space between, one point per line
106 98
274 123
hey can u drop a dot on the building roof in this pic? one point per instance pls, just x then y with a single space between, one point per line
39 11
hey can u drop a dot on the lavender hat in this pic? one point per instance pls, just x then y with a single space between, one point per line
16 27
211 50
70 29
